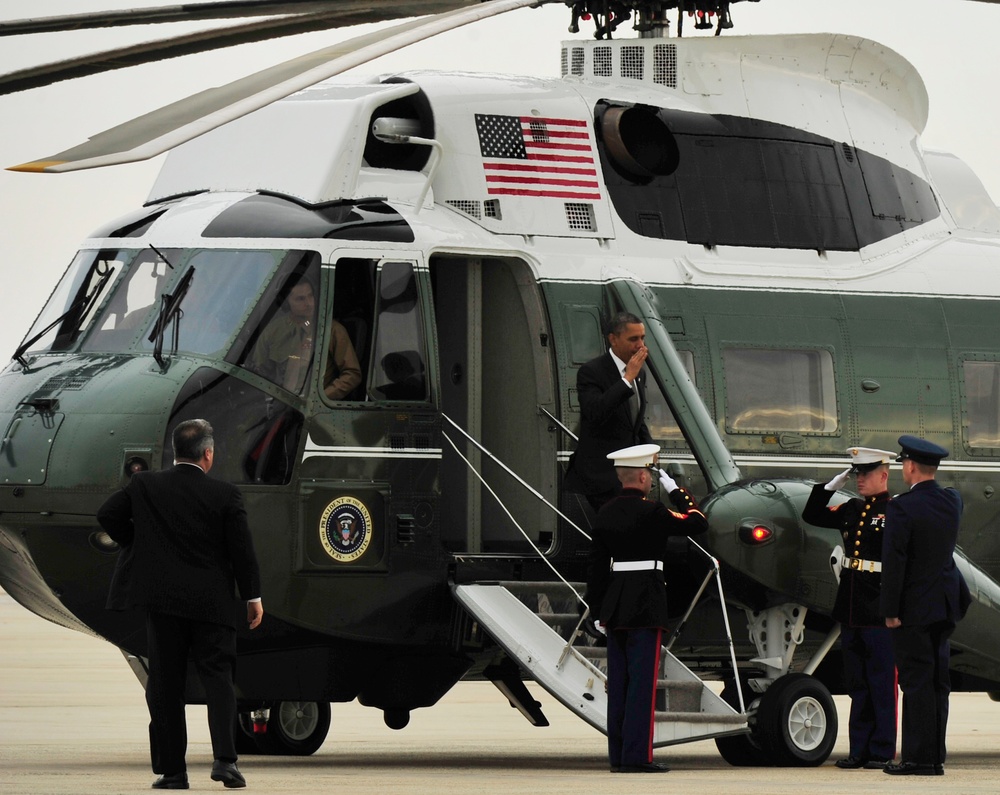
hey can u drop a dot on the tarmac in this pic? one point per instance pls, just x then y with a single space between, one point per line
74 721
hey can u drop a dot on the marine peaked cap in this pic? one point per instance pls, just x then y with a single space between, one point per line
638 456
920 450
865 459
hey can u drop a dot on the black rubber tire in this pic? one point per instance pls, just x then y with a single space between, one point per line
295 728
797 721
741 750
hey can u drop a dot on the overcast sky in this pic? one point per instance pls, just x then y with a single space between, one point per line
43 217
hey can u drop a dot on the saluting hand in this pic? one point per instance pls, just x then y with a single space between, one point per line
255 612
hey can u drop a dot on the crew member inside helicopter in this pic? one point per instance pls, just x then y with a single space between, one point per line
283 352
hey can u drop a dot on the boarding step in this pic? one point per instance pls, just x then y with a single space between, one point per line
687 710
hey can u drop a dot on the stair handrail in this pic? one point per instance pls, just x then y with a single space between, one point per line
715 572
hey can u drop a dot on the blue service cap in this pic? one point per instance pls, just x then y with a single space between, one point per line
920 450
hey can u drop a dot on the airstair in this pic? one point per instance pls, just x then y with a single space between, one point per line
575 675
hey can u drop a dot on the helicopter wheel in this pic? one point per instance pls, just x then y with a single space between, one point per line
742 750
797 721
295 728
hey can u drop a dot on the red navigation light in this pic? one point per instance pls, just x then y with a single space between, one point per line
760 533
755 533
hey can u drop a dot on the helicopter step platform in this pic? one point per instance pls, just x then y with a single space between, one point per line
686 709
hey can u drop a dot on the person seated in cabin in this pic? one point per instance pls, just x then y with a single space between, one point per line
283 352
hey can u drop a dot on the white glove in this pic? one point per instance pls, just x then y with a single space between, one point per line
840 481
668 483
600 627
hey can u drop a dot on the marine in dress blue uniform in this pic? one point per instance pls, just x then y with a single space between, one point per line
627 593
865 641
922 600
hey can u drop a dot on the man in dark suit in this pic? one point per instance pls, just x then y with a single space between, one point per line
627 594
186 544
922 602
865 642
612 392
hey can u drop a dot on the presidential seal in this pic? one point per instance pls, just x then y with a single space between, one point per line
345 529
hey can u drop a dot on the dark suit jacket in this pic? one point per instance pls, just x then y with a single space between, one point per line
861 522
606 425
633 528
920 582
186 544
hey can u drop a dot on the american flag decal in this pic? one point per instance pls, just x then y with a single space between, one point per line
530 156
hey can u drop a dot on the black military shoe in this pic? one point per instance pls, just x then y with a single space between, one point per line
645 767
913 769
852 763
876 764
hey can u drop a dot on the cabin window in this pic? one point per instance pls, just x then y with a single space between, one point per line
659 418
982 403
74 303
771 389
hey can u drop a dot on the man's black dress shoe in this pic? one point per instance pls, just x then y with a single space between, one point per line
174 781
876 764
228 774
852 763
913 769
645 767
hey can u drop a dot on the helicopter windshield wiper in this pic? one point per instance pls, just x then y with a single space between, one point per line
170 309
81 306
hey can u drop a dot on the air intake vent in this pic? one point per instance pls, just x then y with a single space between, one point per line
61 383
665 65
848 152
406 529
397 441
576 65
602 61
491 209
580 217
466 206
632 62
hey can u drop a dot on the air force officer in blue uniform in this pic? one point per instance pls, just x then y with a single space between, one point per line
627 594
923 597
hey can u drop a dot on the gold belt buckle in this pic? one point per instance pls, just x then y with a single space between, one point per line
856 564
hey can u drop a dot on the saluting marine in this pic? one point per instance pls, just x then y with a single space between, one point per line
627 593
866 644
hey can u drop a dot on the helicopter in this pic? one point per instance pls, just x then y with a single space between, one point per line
408 526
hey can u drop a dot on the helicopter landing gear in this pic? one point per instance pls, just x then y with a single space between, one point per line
396 718
797 721
284 728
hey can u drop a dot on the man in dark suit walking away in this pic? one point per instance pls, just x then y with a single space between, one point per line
923 598
185 545
628 597
612 392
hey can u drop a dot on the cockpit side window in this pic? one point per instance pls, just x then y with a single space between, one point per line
277 342
399 360
75 301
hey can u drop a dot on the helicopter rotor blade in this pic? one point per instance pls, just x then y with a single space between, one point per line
160 130
191 43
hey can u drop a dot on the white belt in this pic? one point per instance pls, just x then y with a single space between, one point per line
637 565
858 564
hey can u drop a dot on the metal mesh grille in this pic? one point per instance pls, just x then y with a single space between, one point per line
491 209
602 61
632 62
465 206
580 216
563 62
665 65
578 61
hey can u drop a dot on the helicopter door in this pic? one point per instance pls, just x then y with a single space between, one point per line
496 369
